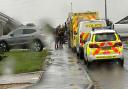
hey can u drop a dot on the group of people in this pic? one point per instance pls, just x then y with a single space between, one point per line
59 36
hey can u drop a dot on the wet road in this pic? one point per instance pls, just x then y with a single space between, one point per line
110 76
64 73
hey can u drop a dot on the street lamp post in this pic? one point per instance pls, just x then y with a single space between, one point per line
71 7
106 9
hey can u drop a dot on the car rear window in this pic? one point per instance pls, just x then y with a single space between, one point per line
105 37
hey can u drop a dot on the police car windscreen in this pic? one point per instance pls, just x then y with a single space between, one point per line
100 37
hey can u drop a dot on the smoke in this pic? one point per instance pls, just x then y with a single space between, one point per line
45 24
47 28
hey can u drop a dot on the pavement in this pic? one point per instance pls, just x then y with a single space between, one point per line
19 81
32 77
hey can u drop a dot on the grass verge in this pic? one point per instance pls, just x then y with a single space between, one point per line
22 62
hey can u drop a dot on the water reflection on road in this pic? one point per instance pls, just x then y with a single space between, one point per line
110 76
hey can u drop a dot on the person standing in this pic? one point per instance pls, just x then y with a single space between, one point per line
61 36
57 37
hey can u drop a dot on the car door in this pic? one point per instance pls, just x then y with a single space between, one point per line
29 35
86 45
15 38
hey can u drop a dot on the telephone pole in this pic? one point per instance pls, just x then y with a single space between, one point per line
106 10
71 7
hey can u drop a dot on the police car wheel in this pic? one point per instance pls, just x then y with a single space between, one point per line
88 63
85 59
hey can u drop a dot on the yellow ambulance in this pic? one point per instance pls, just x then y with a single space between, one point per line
73 22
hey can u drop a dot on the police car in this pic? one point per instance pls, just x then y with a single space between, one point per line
103 44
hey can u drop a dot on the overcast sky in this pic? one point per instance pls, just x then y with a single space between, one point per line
57 10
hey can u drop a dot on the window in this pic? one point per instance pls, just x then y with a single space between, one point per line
28 31
18 32
105 37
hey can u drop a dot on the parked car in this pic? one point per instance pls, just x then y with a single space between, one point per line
103 45
23 37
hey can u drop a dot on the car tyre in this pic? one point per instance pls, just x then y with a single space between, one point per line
88 64
36 46
85 59
4 47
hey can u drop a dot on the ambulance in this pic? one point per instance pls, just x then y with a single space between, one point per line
72 25
84 29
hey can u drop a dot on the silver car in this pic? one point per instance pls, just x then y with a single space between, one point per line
23 37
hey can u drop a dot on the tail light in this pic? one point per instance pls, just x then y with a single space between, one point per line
81 40
118 44
93 46
80 36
